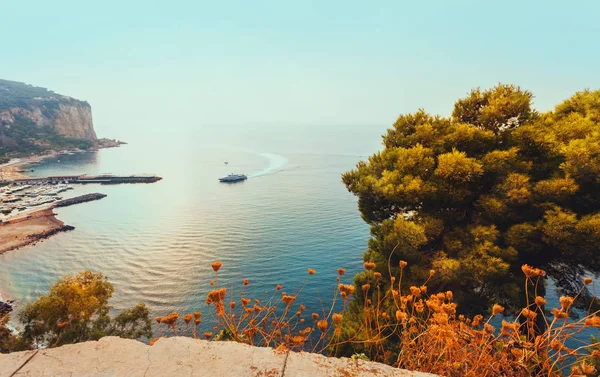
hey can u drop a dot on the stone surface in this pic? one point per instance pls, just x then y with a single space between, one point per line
180 356
10 363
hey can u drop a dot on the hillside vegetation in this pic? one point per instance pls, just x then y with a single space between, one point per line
33 121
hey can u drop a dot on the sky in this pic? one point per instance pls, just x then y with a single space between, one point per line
200 64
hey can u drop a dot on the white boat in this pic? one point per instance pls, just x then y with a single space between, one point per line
233 178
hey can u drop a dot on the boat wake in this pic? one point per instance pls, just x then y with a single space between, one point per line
276 164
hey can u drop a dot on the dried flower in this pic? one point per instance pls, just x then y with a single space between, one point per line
532 272
415 291
322 325
559 314
312 271
540 301
278 287
158 319
377 275
187 318
337 319
245 301
566 302
587 368
246 281
208 335
401 316
315 317
449 295
489 329
341 271
298 339
346 288
302 307
497 309
593 321
431 272
369 265
232 305
288 300
216 266
587 281
366 287
403 264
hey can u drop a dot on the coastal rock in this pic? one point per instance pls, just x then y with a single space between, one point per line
44 108
181 356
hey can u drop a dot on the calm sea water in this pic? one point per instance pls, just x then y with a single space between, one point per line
156 242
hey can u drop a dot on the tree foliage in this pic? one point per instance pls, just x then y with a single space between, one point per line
476 195
77 310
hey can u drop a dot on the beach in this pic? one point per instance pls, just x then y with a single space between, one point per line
14 169
30 229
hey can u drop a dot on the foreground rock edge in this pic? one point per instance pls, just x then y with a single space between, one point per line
112 356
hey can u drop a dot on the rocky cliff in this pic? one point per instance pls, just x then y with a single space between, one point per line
66 116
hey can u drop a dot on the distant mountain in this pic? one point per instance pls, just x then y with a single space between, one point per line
34 120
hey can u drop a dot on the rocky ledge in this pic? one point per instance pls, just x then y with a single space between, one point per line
180 356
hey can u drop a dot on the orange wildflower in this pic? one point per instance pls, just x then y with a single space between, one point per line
232 305
401 316
497 309
315 317
341 271
312 271
245 301
587 281
278 287
322 325
566 302
403 264
288 300
531 271
346 288
540 301
302 307
62 325
246 281
187 318
369 265
337 319
366 287
208 335
216 266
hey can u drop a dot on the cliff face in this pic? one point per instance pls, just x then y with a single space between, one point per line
66 116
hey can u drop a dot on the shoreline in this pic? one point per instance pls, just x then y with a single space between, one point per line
30 229
10 171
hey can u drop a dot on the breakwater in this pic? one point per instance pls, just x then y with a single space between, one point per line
79 199
48 233
105 179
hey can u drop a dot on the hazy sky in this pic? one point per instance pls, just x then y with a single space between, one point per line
205 63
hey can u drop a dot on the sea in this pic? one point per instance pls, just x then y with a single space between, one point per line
156 242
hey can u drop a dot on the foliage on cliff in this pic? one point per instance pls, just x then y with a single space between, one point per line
20 105
477 195
18 94
77 310
23 137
